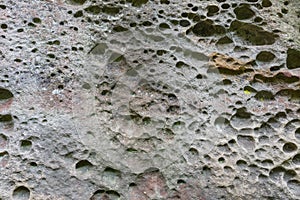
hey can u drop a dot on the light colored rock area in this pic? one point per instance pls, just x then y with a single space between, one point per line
155 99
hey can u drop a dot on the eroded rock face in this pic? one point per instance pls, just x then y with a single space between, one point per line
149 99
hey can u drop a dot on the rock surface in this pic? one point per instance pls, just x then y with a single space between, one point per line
149 99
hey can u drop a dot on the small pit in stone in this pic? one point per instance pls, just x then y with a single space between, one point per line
221 123
77 2
241 164
21 193
296 159
3 141
253 34
224 40
207 28
266 3
293 59
6 121
103 194
83 166
212 10
297 133
289 147
5 94
264 95
247 142
294 187
265 56
111 176
244 12
25 145
276 174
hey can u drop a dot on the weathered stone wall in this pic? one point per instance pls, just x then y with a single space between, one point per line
149 99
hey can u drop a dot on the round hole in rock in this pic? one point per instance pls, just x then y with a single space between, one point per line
7 118
212 9
77 2
293 58
224 40
37 20
193 151
99 194
165 2
195 8
26 145
33 164
289 147
264 95
4 26
83 165
184 23
289 174
180 181
164 26
294 187
265 56
277 173
258 19
297 133
296 159
3 141
244 12
113 194
21 193
221 160
207 28
232 141
221 123
132 185
111 173
184 14
267 163
225 6
241 163
5 94
266 3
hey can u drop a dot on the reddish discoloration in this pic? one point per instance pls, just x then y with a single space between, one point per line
5 105
48 100
152 185
4 158
3 141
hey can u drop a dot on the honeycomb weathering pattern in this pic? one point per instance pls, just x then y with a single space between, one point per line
149 99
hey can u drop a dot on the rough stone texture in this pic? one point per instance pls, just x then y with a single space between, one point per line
149 99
